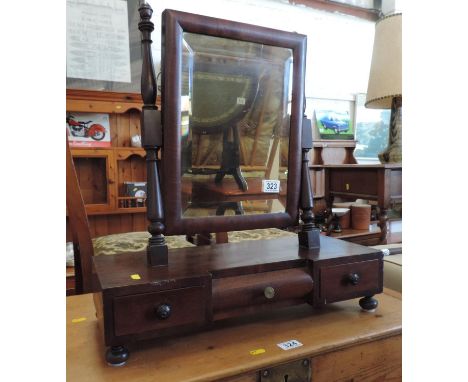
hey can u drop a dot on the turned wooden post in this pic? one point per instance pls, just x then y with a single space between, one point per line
151 131
309 236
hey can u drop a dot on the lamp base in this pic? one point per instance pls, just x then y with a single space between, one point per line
392 153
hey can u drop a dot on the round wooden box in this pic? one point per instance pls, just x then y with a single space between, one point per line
360 216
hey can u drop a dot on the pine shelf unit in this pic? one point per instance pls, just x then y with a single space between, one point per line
103 171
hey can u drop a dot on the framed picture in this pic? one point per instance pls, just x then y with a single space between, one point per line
103 45
333 119
371 131
88 130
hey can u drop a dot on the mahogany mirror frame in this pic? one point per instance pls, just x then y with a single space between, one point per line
174 24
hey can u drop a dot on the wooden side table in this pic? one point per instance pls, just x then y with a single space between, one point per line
339 342
331 151
228 195
380 182
363 237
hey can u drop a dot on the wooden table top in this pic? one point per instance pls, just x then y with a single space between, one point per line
350 232
232 347
228 187
359 166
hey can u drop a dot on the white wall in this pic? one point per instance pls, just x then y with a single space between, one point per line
391 6
339 46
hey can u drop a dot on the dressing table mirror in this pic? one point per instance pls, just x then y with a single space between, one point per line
234 101
227 152
232 138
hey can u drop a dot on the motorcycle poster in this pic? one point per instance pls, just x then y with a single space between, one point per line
88 129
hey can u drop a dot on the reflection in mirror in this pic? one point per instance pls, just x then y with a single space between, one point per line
235 126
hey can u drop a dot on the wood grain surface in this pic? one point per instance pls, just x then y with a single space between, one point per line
344 344
102 171
224 260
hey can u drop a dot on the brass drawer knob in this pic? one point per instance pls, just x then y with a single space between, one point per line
269 292
163 311
353 278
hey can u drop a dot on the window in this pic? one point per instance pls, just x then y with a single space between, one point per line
372 127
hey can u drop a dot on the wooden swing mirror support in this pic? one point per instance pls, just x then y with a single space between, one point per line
171 221
172 291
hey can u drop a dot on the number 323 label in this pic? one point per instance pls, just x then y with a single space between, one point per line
270 185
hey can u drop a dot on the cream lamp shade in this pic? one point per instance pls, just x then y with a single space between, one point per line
385 73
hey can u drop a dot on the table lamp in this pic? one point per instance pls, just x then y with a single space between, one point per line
384 88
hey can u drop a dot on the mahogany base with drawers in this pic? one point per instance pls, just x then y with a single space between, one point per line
209 283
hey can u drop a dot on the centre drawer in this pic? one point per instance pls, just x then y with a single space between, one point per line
234 295
345 281
150 311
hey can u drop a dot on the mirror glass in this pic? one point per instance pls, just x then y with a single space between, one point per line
235 98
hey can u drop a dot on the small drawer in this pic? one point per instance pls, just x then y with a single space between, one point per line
234 295
345 281
354 181
153 311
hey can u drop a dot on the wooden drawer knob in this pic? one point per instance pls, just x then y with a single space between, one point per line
353 278
269 292
163 311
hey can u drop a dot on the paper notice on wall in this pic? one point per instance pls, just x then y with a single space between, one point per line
97 40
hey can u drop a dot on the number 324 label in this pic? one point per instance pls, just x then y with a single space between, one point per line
288 345
270 185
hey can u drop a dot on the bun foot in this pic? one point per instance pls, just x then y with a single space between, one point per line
117 356
368 303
